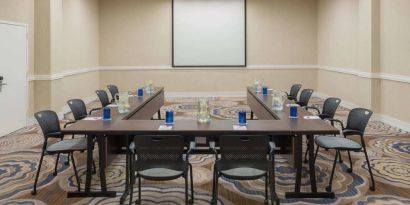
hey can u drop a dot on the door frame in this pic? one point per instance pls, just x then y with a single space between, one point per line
27 67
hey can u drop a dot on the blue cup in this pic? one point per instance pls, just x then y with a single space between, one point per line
242 117
264 91
106 113
293 113
140 92
169 117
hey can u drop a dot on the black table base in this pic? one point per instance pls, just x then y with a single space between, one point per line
92 194
309 195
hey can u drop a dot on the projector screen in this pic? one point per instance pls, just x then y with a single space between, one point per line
209 33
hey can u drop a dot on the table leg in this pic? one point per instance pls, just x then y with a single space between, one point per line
312 163
298 162
127 174
251 115
88 192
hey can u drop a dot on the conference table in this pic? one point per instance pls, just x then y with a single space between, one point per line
261 106
285 127
141 107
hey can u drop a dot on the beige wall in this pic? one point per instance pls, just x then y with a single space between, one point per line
138 33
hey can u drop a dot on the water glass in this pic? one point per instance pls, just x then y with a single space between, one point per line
242 117
169 117
106 113
264 90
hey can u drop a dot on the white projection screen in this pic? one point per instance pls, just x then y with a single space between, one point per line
209 33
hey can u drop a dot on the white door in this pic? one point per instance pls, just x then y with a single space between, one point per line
13 69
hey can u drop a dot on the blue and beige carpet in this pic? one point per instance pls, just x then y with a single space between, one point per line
388 148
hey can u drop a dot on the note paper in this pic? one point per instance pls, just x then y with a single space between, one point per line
93 118
165 127
112 105
313 117
239 127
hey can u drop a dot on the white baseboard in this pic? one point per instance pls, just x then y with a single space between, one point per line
205 94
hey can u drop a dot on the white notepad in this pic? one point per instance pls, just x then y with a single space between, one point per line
112 105
93 118
239 127
165 127
312 117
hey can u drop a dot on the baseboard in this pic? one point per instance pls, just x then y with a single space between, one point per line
377 116
204 94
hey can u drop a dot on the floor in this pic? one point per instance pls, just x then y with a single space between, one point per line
388 148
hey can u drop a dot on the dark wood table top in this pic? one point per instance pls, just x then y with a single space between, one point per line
136 103
266 101
191 127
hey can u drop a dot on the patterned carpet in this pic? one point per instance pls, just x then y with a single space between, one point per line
388 149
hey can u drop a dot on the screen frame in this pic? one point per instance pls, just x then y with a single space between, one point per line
204 66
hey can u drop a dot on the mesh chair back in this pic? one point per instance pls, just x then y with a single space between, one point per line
159 148
294 90
244 147
113 90
358 119
330 106
78 108
305 97
102 95
48 121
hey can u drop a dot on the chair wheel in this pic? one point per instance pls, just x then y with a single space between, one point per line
306 161
372 188
54 174
340 161
266 202
33 192
329 189
67 163
138 201
349 170
190 201
213 202
326 149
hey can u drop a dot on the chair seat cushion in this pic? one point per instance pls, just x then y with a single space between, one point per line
66 146
160 174
332 142
243 173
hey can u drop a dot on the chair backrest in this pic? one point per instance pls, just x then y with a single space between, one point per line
244 147
78 108
48 121
165 149
305 96
102 95
358 119
330 106
294 90
113 90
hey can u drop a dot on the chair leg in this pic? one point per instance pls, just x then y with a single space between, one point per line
94 169
55 167
340 157
317 151
191 201
350 170
307 150
75 172
139 191
214 185
34 192
273 195
186 189
132 182
159 115
373 186
329 188
266 189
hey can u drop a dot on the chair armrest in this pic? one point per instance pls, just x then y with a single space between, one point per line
314 108
347 132
132 147
94 109
332 120
272 147
213 148
191 148
68 123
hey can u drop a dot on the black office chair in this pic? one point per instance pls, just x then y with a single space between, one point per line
245 157
113 90
356 125
102 95
304 97
50 126
328 112
294 90
160 158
